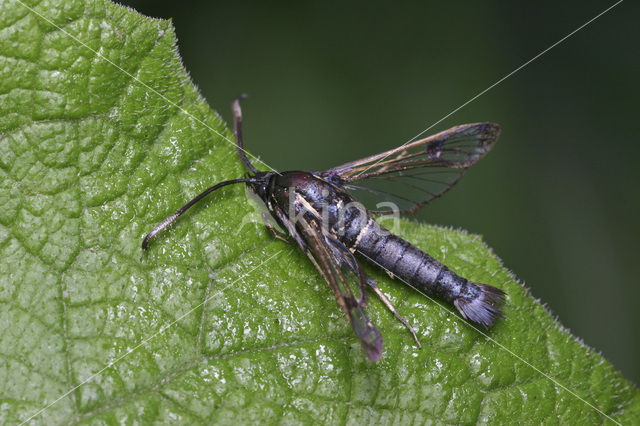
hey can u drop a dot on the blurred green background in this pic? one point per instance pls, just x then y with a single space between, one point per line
557 198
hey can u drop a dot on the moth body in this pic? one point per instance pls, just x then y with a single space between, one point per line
319 214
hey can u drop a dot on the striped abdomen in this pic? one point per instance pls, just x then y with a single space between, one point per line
477 302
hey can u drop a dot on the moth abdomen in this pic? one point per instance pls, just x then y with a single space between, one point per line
484 307
479 303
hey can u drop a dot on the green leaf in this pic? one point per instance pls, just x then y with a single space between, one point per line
102 134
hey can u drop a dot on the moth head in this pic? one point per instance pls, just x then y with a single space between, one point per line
259 183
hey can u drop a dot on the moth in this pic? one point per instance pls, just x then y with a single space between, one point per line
318 211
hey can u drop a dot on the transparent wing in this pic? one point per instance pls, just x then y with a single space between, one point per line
340 271
412 175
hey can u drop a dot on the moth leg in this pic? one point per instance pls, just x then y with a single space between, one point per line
293 232
372 283
272 230
291 229
340 253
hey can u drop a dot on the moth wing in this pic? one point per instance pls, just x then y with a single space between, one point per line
340 272
414 174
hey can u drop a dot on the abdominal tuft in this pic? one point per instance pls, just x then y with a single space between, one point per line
484 308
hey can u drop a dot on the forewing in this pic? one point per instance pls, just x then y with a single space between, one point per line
414 174
340 273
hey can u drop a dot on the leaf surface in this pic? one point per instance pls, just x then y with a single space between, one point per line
102 135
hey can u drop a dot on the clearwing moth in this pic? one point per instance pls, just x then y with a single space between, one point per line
319 213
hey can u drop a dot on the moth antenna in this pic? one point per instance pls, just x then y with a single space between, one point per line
237 129
484 308
169 220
